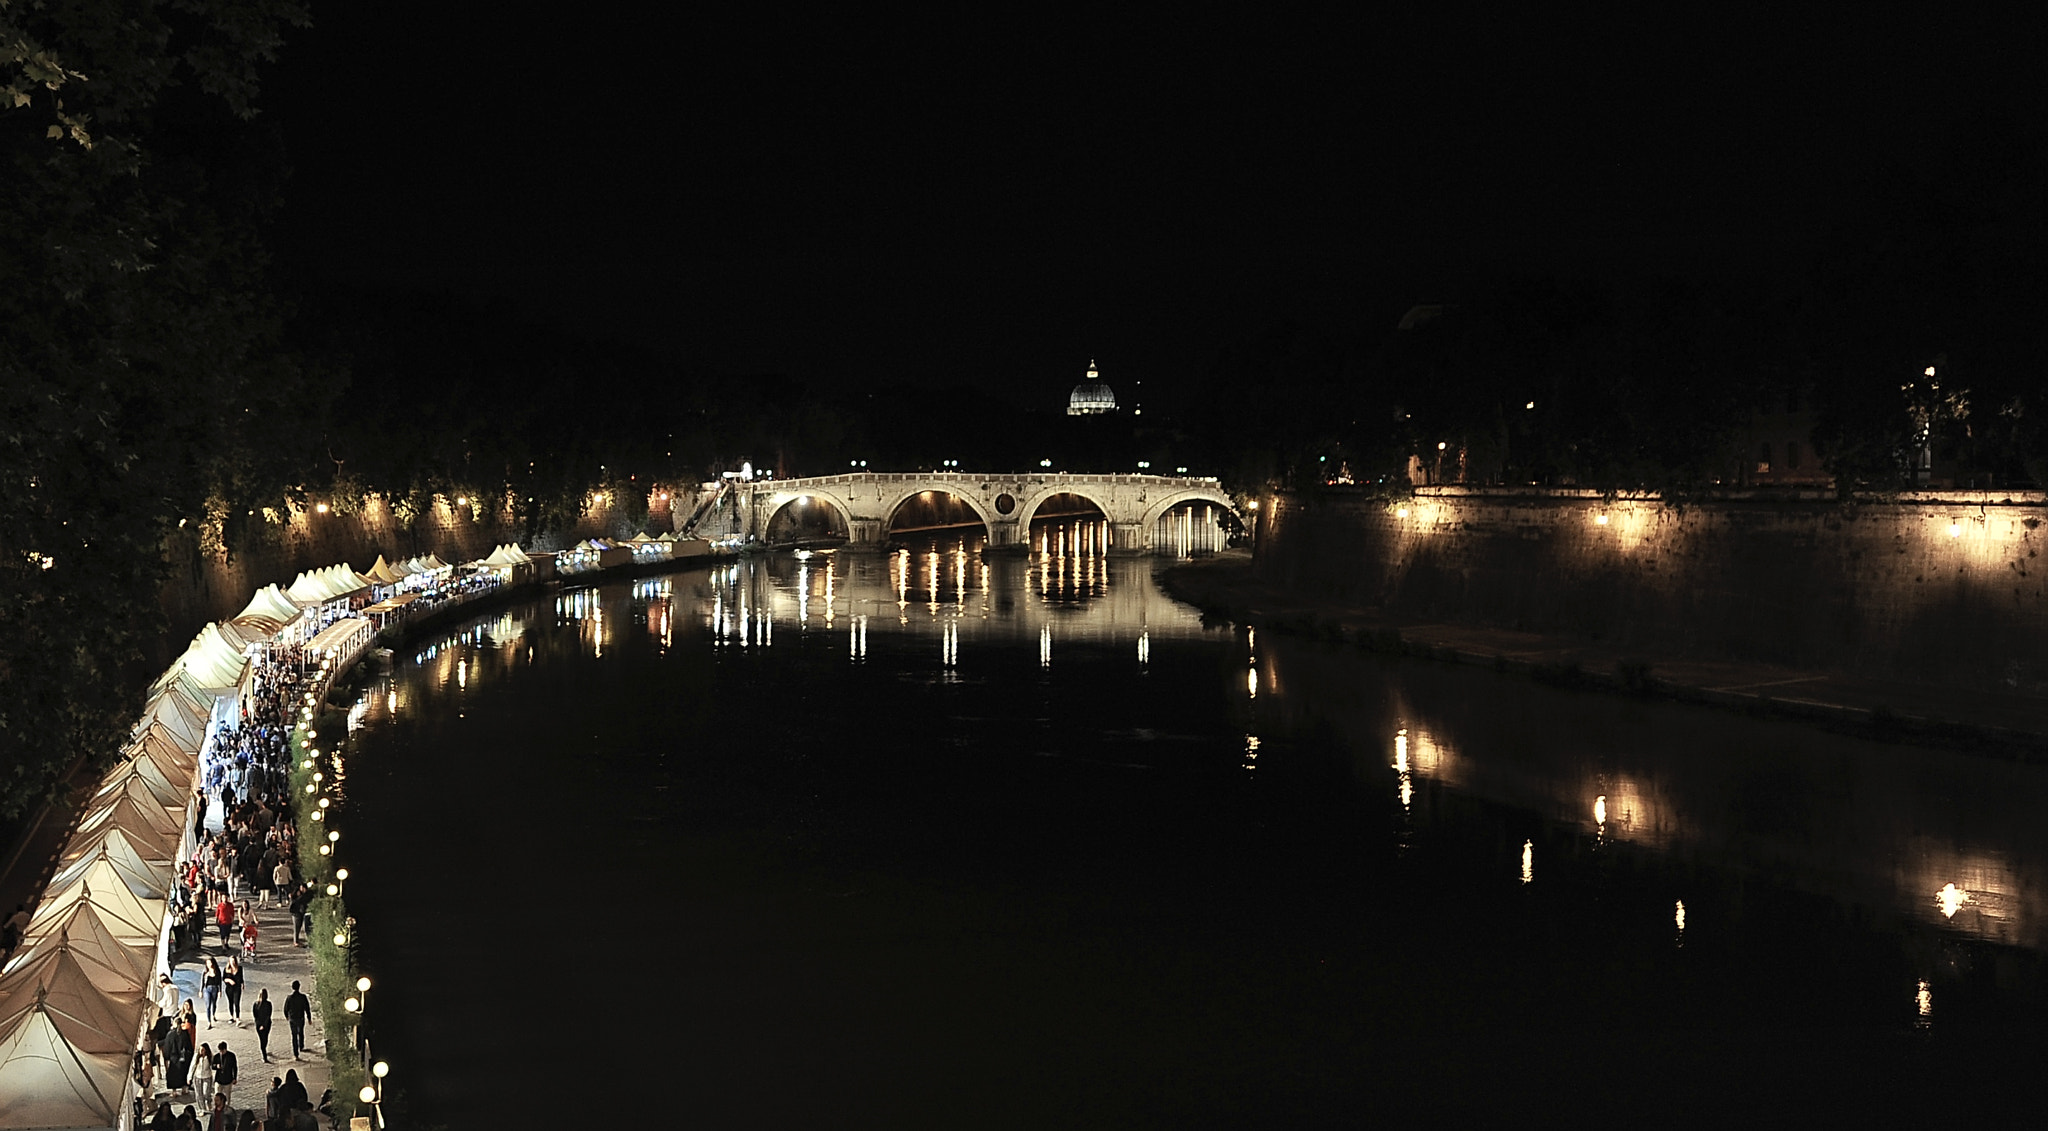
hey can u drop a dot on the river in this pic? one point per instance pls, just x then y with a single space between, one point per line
927 839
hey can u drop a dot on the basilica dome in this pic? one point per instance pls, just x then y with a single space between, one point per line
1091 396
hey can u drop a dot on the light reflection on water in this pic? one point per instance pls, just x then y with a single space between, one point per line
1658 826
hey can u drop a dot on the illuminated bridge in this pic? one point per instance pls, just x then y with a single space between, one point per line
1138 512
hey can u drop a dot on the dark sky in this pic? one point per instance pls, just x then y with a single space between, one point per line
996 200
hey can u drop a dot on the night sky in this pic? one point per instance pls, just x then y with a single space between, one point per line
995 201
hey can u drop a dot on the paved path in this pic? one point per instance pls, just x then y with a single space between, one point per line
277 964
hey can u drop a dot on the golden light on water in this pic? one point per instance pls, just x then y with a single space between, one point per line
1681 915
1528 861
1600 810
1923 1003
1951 899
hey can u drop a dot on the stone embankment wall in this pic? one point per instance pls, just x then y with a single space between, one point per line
204 586
1949 587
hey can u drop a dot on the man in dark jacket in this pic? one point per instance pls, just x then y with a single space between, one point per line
225 1071
297 1010
261 1012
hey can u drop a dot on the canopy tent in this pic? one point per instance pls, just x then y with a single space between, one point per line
160 746
507 555
113 966
125 917
432 563
120 860
343 638
89 1017
270 602
213 660
107 885
167 794
180 720
145 828
135 795
47 1082
118 841
383 574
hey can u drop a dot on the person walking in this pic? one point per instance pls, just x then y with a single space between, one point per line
274 1111
259 1011
231 985
202 1074
296 1010
249 933
211 982
224 918
291 1095
226 1070
220 1118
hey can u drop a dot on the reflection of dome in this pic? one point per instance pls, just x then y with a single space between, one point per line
1091 396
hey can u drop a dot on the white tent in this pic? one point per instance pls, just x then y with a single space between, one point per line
212 660
46 1082
119 859
124 916
176 716
153 814
112 965
100 881
117 840
270 603
157 743
145 829
92 1019
167 793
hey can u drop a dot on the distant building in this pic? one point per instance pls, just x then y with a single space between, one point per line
1091 397
1781 444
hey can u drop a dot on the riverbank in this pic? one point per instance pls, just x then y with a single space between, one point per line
2010 724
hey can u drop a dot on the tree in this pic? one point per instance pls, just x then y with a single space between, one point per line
136 342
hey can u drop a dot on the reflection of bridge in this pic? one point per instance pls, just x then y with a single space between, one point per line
1006 504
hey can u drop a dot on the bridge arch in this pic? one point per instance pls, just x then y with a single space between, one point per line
1158 508
1028 508
941 487
779 503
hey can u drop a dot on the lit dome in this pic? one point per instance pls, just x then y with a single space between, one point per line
1091 396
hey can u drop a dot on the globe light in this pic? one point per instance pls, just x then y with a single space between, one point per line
367 1095
363 983
341 873
352 1005
341 938
380 1070
332 837
332 890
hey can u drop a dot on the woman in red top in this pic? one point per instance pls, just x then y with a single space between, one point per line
224 918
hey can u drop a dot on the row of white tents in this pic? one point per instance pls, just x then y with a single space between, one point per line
77 993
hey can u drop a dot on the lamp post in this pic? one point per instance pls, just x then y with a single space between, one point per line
373 1092
340 880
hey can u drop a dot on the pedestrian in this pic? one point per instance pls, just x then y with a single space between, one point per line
260 1011
220 1119
226 1070
177 1059
231 985
224 918
296 1010
249 933
274 1111
301 908
203 1074
166 993
291 1094
211 982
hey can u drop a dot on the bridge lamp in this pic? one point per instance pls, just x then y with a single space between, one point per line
1045 463
1180 471
1144 463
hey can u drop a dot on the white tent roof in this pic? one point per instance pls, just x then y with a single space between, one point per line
383 574
270 601
185 732
123 915
102 881
167 794
144 827
118 840
46 1082
115 806
431 562
92 1019
120 860
508 555
159 744
212 660
113 966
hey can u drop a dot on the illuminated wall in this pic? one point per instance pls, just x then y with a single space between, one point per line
1946 586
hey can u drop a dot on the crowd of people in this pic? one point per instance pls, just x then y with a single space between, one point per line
248 858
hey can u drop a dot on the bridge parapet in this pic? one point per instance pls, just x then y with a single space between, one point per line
1006 503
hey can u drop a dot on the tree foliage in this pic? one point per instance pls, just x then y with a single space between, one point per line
133 325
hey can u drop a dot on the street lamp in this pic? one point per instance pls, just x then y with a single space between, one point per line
373 1092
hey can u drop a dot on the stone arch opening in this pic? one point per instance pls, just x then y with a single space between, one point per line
934 511
1065 523
807 520
1194 524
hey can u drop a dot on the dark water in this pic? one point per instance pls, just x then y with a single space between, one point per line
927 840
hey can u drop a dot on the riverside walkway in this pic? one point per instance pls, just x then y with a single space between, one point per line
1893 709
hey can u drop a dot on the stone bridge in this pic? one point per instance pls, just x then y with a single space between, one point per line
1006 504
